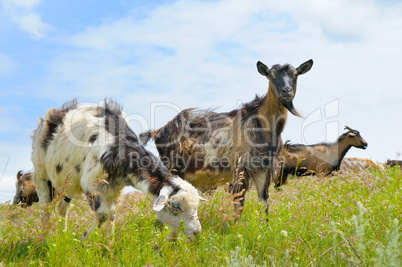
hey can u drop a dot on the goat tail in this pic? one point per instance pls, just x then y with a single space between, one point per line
148 135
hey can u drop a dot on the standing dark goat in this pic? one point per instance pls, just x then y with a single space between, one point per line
25 190
322 158
204 147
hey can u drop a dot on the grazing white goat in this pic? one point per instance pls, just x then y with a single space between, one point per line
92 150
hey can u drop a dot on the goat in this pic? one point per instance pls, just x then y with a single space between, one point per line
392 163
357 164
322 158
92 150
25 190
204 147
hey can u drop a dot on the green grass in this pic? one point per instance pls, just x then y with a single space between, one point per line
347 219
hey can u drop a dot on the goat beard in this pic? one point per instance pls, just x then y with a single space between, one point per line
289 106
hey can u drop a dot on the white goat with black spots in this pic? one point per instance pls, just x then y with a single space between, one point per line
92 150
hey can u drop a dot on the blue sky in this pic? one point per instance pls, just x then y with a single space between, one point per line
159 57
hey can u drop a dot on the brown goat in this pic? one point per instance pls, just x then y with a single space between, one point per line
322 158
357 164
205 147
392 163
25 190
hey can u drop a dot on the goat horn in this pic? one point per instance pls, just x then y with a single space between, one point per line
348 128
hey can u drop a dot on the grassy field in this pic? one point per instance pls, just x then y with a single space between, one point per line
347 219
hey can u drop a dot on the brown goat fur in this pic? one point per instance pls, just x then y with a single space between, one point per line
204 147
322 158
25 190
392 163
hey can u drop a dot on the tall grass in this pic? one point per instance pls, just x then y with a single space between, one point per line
351 219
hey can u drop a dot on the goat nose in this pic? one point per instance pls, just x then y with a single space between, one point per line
286 90
197 231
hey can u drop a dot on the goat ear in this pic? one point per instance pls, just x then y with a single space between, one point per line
262 68
160 203
305 67
162 199
352 134
19 174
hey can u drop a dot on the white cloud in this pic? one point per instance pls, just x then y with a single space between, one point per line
200 53
32 23
216 44
22 3
22 13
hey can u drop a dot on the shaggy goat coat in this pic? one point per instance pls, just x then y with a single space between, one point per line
92 150
206 147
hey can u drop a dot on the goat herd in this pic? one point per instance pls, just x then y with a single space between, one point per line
91 150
